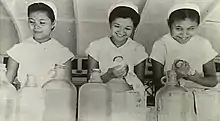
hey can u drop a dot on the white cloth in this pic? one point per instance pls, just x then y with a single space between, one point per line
38 59
125 4
50 4
183 6
104 51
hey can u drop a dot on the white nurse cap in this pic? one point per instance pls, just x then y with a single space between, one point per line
184 6
125 4
50 4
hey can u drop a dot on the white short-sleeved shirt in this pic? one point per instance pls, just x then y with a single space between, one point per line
38 58
133 53
104 51
198 51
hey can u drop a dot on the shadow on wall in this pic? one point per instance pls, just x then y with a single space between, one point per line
8 32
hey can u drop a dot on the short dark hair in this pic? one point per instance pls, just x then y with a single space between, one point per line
41 7
125 12
182 14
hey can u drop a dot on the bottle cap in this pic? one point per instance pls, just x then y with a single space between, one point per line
96 70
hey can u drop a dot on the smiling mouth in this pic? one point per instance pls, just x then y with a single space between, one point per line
184 38
120 36
37 32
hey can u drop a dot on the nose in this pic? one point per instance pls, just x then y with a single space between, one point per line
121 31
185 33
36 26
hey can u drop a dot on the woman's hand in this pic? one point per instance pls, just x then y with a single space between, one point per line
208 79
115 72
182 68
16 84
189 76
118 71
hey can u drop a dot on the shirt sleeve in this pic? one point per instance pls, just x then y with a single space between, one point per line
15 53
209 53
140 54
66 55
158 52
93 50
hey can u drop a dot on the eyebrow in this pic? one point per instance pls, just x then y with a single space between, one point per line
178 26
39 19
119 24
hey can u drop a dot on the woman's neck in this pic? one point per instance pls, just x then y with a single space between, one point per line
42 40
118 43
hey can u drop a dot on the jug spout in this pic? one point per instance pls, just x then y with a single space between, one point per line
170 78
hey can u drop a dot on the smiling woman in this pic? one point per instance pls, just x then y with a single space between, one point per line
196 53
123 19
124 74
121 29
183 31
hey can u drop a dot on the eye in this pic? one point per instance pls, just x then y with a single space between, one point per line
192 28
179 29
116 25
31 21
128 28
43 22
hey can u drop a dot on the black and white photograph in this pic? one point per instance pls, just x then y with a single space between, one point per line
109 60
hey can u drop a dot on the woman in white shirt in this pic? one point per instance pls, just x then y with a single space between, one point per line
38 54
183 43
123 19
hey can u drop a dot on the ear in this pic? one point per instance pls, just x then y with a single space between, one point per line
53 25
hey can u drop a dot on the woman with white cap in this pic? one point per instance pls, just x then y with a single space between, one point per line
103 53
38 54
121 61
183 43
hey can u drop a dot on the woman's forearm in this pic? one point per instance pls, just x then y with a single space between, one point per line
208 81
12 68
106 77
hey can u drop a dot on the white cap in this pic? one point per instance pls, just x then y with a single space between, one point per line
125 4
50 4
184 6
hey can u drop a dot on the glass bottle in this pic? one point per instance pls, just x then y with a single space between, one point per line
8 96
31 101
119 84
172 103
60 97
94 102
95 76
